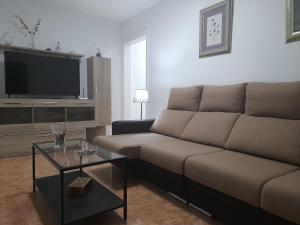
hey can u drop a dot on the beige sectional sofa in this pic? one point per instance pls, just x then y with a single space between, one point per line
232 150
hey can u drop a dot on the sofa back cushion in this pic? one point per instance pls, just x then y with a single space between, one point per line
171 122
186 98
272 138
211 128
227 98
281 100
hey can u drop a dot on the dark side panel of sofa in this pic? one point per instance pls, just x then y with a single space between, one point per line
131 126
222 207
270 219
167 180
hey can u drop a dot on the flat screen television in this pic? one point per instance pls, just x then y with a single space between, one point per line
31 74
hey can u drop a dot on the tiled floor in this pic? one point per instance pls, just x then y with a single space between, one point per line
147 205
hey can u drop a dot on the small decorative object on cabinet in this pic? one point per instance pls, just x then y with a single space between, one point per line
292 20
57 47
6 38
141 96
98 53
216 29
31 31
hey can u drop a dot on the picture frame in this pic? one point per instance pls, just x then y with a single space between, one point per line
216 29
292 20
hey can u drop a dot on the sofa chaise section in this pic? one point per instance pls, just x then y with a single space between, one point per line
129 144
167 127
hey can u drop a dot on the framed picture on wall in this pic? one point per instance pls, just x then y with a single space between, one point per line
216 29
292 20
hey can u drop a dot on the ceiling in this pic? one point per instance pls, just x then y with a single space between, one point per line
116 10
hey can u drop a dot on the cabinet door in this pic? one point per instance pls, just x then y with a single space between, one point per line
49 114
103 97
99 83
80 114
17 115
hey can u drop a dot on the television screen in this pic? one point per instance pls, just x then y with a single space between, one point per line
30 74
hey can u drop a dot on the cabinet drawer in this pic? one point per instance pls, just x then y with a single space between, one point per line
49 103
20 144
16 139
48 136
17 150
29 138
15 103
81 103
76 134
15 128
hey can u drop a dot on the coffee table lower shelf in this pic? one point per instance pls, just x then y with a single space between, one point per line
97 199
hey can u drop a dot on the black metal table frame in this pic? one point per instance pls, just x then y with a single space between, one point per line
62 170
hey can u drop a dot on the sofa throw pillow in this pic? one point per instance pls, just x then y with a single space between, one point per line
171 122
211 128
281 100
226 98
186 98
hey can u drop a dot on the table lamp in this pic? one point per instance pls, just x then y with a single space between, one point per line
141 96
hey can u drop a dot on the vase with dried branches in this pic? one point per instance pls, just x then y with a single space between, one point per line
31 31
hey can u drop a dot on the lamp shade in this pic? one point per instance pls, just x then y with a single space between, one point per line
141 96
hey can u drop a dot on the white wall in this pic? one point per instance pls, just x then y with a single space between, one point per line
259 52
76 32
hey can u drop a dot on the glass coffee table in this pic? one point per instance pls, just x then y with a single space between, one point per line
77 154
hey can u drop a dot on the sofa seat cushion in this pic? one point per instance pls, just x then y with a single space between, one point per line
280 100
172 122
185 98
271 138
129 144
171 155
236 174
226 98
211 128
281 197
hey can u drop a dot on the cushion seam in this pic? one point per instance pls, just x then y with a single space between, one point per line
179 136
228 136
198 154
140 146
270 179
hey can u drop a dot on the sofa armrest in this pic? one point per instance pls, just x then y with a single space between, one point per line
131 126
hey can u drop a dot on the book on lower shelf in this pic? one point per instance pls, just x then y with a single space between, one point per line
79 185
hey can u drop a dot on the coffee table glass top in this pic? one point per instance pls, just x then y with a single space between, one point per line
76 153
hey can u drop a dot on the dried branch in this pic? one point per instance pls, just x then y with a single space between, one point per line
27 29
